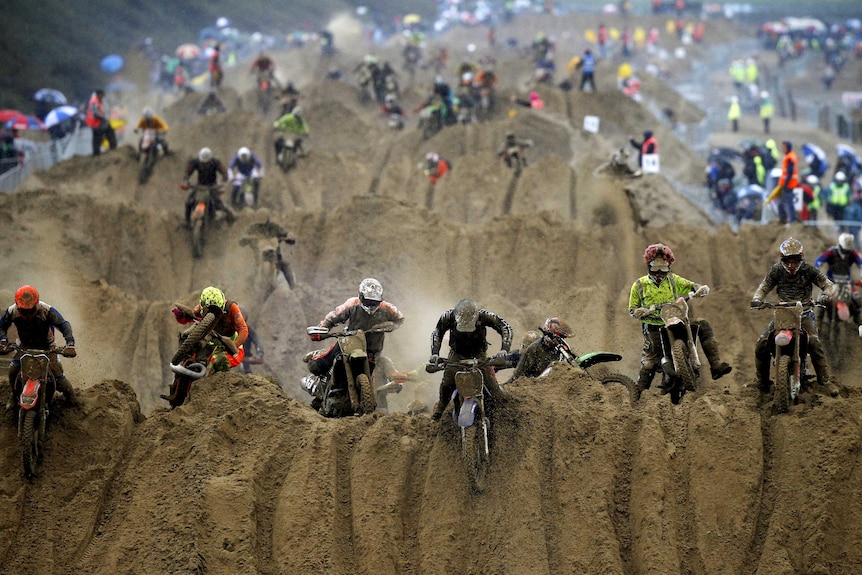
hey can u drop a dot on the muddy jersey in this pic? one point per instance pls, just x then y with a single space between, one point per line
474 343
536 359
207 171
796 287
37 332
354 315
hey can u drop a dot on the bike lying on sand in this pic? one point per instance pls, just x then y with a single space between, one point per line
587 360
207 209
35 388
788 346
347 388
192 359
470 415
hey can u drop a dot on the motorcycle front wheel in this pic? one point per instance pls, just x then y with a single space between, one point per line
475 455
198 238
624 380
367 400
29 442
781 391
683 368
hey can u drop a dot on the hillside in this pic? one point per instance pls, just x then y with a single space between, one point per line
246 478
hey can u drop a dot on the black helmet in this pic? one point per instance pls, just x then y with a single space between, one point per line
466 315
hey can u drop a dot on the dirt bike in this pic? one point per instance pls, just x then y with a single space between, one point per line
788 345
347 388
149 153
565 353
515 160
192 359
35 388
430 121
485 100
245 197
287 154
680 362
264 91
836 325
205 212
470 415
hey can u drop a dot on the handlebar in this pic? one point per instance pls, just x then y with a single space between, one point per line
785 304
324 333
12 347
443 363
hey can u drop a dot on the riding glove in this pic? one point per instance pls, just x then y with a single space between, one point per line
823 299
756 303
641 312
702 291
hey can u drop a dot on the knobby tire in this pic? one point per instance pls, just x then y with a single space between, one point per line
781 392
195 336
367 399
29 448
683 368
198 237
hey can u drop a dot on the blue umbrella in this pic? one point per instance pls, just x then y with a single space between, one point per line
113 63
50 96
61 114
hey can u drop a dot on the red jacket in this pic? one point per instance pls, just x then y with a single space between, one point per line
95 113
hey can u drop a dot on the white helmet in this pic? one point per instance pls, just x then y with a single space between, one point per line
734 99
244 154
205 155
764 94
370 294
432 157
148 113
840 177
811 179
846 242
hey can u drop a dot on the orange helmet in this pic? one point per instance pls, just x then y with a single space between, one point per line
26 298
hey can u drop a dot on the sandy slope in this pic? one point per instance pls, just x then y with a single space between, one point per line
247 479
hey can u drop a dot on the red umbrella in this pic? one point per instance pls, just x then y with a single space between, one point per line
6 115
24 122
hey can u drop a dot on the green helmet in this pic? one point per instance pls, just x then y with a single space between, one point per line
212 296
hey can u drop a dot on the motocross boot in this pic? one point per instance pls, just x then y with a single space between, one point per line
763 381
644 382
824 377
717 368
65 387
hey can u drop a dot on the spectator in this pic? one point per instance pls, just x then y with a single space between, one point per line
649 145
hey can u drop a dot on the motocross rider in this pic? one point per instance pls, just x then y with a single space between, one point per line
793 279
151 120
208 168
245 164
436 167
263 67
840 259
467 326
543 352
35 322
229 325
364 312
510 144
660 286
291 123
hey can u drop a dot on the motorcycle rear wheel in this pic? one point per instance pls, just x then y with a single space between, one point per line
781 390
624 380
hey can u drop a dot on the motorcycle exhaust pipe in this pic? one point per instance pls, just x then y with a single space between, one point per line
194 370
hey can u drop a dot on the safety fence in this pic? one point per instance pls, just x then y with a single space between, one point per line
36 156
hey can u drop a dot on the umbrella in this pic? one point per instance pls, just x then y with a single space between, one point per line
188 51
50 96
24 122
59 115
840 150
113 63
6 115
